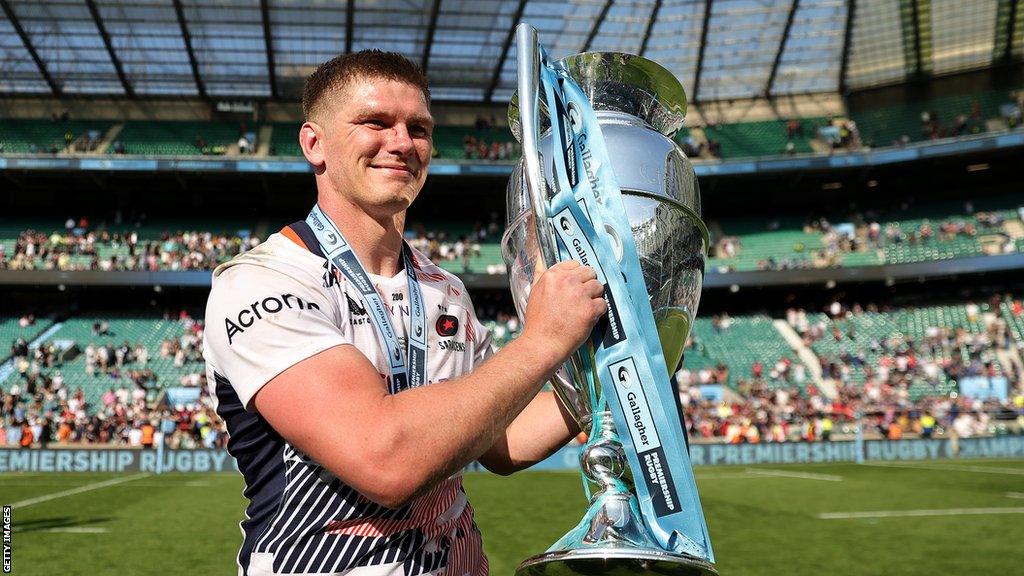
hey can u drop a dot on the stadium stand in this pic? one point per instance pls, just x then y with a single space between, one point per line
720 352
471 142
162 245
938 117
116 367
176 138
918 234
919 351
767 138
50 136
878 126
892 365
284 140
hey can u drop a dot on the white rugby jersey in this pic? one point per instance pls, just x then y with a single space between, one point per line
277 305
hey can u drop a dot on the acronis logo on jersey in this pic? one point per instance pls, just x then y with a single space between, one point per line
270 305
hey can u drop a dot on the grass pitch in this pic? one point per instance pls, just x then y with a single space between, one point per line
916 518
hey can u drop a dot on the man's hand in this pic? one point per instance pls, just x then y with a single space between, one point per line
565 303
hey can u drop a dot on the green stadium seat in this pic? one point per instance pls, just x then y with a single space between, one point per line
21 135
176 138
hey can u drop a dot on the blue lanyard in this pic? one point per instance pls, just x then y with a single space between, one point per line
340 256
627 357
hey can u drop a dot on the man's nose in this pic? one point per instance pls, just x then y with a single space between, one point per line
399 140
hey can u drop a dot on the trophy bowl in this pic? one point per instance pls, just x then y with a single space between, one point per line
639 106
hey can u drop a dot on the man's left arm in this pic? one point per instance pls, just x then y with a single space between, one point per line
539 431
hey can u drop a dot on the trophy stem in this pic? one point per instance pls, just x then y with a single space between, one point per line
612 538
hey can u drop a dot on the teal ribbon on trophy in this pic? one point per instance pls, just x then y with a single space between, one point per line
590 223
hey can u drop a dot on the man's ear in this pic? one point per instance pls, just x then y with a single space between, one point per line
310 140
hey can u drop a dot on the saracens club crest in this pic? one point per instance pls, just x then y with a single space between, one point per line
447 325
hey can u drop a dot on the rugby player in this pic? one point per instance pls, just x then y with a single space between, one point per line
351 465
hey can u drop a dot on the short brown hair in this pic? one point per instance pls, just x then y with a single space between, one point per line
338 72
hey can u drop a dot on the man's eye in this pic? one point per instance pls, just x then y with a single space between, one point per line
375 123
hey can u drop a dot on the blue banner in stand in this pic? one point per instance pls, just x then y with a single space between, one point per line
825 452
134 460
115 460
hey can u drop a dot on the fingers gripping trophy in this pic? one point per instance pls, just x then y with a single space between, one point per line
601 182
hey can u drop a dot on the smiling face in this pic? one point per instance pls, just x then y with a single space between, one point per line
372 143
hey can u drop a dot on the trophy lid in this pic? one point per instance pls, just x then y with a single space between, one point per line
621 82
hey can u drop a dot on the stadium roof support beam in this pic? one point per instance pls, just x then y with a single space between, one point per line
187 37
350 24
650 27
496 77
782 47
916 16
98 20
268 41
54 87
700 52
597 25
851 11
1011 30
435 10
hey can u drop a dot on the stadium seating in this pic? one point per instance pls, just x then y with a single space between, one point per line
747 339
500 333
790 244
23 135
284 141
10 331
168 235
860 335
1015 322
135 330
883 125
449 140
767 138
176 138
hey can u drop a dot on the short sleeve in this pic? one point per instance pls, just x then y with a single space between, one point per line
260 322
483 346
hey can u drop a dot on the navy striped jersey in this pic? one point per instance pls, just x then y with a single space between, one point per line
277 305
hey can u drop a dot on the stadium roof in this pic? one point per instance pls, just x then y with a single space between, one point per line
719 49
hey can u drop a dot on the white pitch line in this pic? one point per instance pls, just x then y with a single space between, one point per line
910 513
191 484
950 468
800 475
78 530
1019 495
78 490
733 476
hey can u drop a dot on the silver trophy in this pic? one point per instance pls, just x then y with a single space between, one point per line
639 106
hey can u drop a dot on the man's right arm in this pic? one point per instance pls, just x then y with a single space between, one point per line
334 406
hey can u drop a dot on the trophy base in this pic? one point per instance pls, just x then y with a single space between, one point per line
614 562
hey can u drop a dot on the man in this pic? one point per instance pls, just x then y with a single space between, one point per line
350 465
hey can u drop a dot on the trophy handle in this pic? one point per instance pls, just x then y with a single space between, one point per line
528 78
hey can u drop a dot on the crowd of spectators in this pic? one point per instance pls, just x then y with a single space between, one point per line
487 143
38 407
968 122
80 247
479 148
440 245
780 401
787 414
768 401
870 231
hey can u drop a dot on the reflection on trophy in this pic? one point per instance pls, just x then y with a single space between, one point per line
639 106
